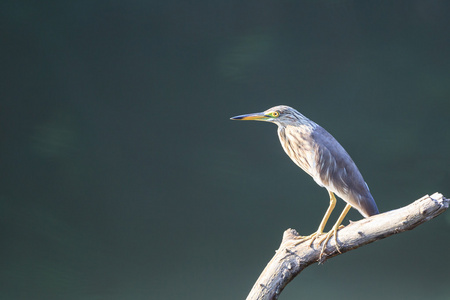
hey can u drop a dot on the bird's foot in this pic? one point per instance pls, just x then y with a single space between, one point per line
323 241
327 237
311 238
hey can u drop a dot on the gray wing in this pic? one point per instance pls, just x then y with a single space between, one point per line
336 169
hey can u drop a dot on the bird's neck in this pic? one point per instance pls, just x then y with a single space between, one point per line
306 128
295 136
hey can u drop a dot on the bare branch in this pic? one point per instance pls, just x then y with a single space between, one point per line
290 259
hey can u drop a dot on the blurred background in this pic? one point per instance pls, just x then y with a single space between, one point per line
122 176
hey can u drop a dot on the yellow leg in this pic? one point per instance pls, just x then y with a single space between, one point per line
334 230
327 214
325 218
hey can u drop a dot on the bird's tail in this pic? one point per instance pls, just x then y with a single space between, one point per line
368 207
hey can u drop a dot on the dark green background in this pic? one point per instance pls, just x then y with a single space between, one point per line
122 176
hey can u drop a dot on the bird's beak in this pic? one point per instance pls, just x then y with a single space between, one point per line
249 117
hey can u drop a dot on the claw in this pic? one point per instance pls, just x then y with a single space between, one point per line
326 238
323 241
310 237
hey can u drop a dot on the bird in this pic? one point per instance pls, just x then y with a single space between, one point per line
320 155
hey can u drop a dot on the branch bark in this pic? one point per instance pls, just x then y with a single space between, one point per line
290 259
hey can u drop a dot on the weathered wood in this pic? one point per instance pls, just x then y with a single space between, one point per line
292 257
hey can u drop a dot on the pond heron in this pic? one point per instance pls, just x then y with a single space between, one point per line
318 153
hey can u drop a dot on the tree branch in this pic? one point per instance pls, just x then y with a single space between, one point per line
290 259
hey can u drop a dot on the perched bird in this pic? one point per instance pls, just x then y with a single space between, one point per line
318 153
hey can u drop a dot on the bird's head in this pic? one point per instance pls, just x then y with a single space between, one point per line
281 115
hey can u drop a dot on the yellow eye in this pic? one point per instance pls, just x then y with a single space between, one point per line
275 114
